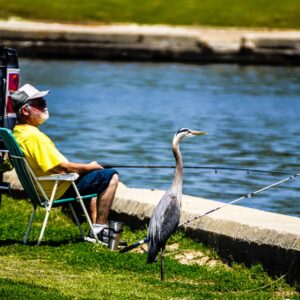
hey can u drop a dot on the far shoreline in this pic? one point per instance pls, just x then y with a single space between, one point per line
162 43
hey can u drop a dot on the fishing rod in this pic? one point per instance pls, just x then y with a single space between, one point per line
214 168
249 195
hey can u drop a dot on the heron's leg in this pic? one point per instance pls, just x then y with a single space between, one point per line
162 263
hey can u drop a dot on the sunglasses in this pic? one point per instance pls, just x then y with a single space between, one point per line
39 103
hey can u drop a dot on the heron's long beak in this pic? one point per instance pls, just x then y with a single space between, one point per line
194 132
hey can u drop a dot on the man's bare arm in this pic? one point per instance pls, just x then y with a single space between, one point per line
70 167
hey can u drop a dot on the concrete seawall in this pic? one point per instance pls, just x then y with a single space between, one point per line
152 43
237 233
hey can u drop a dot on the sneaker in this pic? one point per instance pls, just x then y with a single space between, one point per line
102 237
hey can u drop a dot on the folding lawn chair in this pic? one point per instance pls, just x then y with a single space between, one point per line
31 183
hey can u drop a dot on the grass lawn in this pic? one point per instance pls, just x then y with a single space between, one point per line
254 13
64 267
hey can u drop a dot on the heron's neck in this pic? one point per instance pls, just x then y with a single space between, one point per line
177 181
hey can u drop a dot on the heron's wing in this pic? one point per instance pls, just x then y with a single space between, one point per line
163 223
170 219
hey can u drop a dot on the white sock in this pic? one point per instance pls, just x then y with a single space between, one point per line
98 227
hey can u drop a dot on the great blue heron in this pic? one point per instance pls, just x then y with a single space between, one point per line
166 215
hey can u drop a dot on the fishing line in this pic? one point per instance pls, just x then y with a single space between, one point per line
213 168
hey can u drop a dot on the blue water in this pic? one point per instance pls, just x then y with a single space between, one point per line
127 113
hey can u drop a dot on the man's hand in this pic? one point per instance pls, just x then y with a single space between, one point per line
95 165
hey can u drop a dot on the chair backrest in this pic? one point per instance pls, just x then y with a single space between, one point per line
21 166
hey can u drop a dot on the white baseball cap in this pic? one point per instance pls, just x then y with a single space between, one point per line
24 94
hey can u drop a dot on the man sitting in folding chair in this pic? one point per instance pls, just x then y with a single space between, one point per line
45 159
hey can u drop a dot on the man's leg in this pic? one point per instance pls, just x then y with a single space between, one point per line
99 207
105 200
92 209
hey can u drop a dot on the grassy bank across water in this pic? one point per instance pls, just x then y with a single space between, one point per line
64 267
255 13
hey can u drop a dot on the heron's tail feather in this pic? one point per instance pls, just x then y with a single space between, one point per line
153 250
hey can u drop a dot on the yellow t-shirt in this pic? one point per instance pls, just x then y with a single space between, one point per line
41 154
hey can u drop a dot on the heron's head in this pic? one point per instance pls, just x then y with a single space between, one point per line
185 132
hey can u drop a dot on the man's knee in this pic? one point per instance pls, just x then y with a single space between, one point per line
114 180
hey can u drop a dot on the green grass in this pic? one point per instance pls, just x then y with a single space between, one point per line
64 267
254 13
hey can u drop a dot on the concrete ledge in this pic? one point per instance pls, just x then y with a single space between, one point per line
16 189
151 43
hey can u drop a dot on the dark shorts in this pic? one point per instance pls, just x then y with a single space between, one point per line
93 182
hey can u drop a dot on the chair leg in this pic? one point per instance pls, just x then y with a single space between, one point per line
76 219
48 209
85 211
44 225
29 225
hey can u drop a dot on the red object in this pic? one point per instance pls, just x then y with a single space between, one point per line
13 81
12 86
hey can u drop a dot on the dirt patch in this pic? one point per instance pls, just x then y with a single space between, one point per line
173 247
141 249
144 248
198 258
187 257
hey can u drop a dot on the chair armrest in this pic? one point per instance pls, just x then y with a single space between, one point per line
61 177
